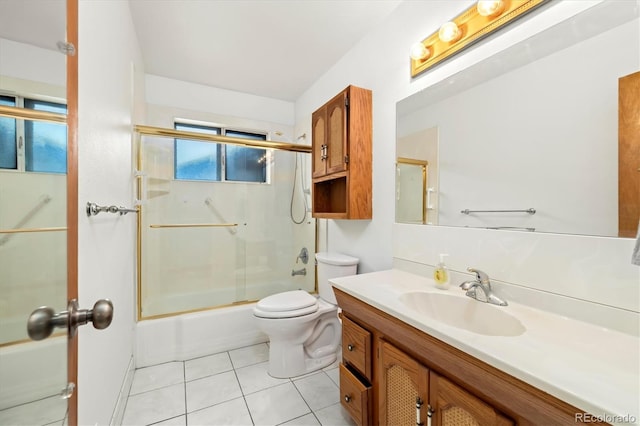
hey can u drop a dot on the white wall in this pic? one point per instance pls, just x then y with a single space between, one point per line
24 62
109 69
228 103
380 62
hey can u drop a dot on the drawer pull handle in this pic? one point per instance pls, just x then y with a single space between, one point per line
350 348
347 399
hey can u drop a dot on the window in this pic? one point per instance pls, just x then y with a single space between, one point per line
244 163
45 144
195 160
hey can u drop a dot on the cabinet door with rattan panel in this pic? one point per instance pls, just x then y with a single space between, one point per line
337 133
319 138
403 387
454 406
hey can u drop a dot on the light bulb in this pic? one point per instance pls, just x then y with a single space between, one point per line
419 52
489 7
449 32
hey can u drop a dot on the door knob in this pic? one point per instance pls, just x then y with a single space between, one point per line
44 320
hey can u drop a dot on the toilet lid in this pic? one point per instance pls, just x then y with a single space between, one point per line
295 300
289 304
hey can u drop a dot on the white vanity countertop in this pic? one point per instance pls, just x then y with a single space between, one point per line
593 368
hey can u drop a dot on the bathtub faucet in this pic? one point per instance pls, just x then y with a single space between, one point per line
302 271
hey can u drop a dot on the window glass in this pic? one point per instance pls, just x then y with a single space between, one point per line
45 143
8 154
246 164
196 160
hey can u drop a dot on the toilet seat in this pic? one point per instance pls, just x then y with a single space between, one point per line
289 304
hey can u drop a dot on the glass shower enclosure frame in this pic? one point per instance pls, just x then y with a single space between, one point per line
212 244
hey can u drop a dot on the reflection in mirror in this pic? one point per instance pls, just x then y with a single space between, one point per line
30 63
411 186
535 126
416 197
33 206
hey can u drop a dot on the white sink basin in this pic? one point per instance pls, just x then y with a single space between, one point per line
465 313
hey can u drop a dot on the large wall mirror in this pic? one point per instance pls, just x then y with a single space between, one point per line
33 207
529 139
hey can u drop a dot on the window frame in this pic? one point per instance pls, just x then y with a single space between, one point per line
269 152
21 140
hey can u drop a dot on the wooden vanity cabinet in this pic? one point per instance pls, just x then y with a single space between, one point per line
409 390
410 368
341 156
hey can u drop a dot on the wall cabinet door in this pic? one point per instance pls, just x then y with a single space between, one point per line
329 128
319 138
454 406
403 388
337 134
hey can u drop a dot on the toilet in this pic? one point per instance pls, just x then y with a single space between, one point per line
304 331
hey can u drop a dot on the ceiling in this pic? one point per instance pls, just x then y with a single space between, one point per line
271 48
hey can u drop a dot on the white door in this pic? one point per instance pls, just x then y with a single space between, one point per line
38 214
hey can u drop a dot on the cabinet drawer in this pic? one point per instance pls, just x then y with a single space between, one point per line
354 396
356 347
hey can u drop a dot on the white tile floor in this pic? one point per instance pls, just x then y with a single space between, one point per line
233 388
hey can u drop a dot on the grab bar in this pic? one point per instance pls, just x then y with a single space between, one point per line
29 230
209 202
194 225
530 211
26 218
93 209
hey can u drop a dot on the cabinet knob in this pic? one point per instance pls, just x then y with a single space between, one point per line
347 398
350 348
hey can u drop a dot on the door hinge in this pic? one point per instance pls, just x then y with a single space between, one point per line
346 158
67 392
66 48
346 102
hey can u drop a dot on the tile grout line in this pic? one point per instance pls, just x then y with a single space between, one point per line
244 398
184 377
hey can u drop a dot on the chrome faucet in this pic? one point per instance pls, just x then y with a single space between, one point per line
481 282
302 271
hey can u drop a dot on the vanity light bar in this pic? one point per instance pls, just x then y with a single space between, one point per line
475 23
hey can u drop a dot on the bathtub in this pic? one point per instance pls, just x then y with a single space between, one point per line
187 336
32 370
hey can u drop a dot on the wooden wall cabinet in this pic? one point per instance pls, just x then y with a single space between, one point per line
390 369
341 156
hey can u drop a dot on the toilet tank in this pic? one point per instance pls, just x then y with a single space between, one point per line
333 265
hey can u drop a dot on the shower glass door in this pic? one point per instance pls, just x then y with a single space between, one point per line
221 224
191 246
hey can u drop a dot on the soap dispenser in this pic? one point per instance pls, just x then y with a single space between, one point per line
441 274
